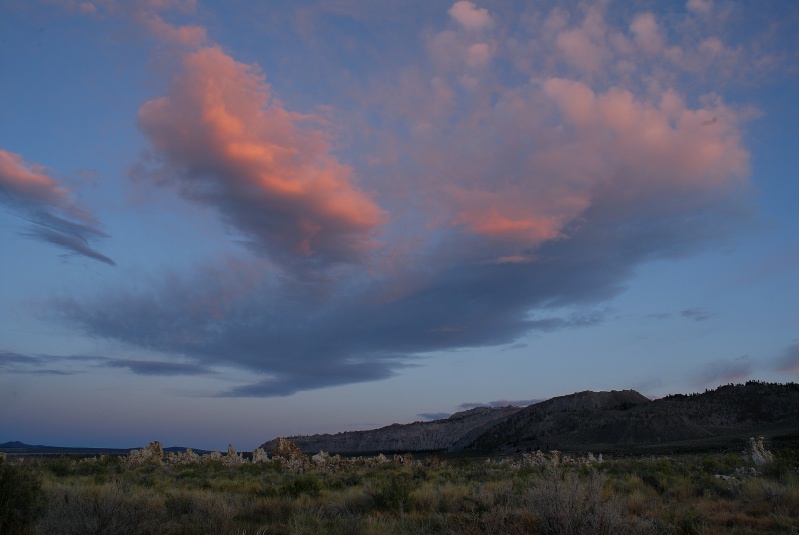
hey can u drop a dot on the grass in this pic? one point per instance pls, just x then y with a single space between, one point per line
676 495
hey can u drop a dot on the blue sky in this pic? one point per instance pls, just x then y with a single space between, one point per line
231 221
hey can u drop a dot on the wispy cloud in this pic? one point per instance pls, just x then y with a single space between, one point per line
42 364
9 359
155 367
788 362
697 314
28 191
724 371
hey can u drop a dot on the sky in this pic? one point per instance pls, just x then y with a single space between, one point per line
224 222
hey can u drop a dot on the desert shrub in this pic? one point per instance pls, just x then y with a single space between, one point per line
687 521
446 498
210 513
348 502
393 494
568 506
307 484
110 509
21 498
60 467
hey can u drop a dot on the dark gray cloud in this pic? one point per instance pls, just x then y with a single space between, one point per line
153 367
54 217
40 364
312 334
9 359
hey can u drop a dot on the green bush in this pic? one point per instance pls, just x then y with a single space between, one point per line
21 498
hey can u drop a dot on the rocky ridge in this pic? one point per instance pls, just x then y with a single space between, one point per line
448 434
725 417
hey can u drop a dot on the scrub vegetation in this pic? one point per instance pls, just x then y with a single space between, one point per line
684 494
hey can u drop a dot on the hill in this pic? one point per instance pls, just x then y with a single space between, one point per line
448 434
723 418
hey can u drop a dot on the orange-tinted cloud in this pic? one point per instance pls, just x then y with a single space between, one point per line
54 217
269 172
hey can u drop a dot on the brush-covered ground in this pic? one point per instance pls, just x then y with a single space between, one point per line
671 495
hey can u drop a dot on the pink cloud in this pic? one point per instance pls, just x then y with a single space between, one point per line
28 182
269 172
468 15
584 47
27 190
148 13
648 35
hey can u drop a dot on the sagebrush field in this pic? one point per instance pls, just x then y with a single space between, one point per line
688 494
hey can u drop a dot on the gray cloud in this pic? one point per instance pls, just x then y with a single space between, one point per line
523 224
153 367
309 335
27 191
11 362
9 359
696 314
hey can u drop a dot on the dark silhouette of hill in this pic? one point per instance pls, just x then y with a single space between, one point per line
20 448
722 418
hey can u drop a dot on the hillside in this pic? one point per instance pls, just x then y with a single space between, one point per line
601 421
453 434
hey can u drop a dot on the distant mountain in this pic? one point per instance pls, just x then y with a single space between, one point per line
17 447
600 421
20 448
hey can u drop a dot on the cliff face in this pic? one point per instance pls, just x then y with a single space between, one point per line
599 421
449 434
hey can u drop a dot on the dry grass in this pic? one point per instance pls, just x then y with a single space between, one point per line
680 495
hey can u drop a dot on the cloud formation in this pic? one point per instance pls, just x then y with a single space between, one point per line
154 367
524 166
226 143
53 215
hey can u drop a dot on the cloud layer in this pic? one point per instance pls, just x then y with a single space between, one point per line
522 165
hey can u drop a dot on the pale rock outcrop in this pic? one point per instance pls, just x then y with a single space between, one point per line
233 458
152 453
290 455
259 456
757 452
184 457
321 458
